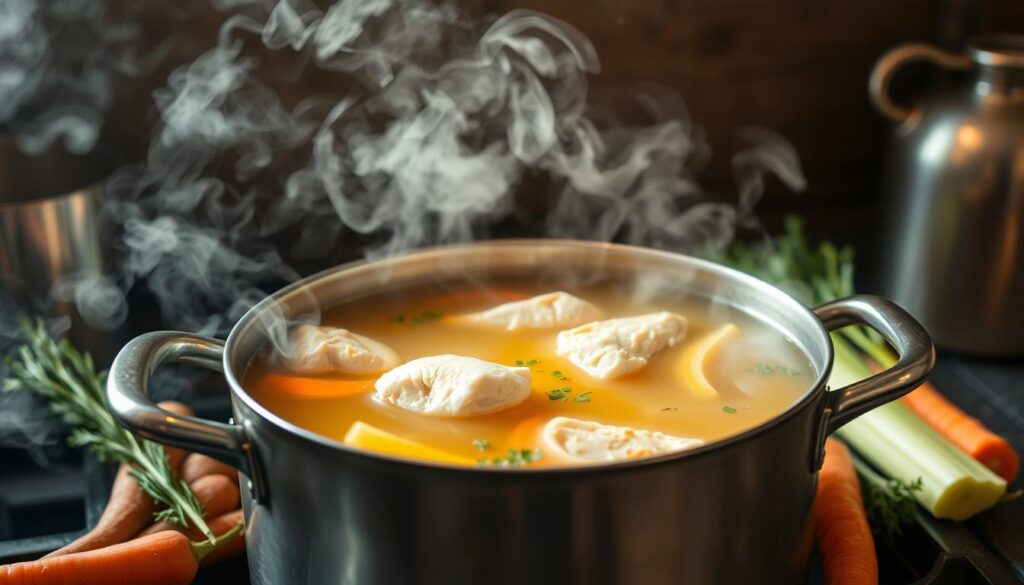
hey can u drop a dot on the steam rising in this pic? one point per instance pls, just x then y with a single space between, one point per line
442 119
59 60
445 117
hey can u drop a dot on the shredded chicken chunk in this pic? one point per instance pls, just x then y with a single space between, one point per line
547 311
451 385
616 347
319 350
587 441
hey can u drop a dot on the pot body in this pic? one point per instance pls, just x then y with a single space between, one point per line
740 514
735 511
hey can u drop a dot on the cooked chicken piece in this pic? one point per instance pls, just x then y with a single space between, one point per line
612 348
318 350
451 385
546 311
587 441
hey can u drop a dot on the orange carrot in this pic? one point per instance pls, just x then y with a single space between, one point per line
841 529
164 558
310 387
129 509
964 431
219 526
197 465
217 494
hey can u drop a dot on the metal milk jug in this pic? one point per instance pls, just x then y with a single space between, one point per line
954 191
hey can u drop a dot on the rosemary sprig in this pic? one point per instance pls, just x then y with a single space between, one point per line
68 380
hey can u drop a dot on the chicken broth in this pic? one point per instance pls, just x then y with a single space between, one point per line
717 381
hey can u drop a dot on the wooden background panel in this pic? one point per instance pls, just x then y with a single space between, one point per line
799 67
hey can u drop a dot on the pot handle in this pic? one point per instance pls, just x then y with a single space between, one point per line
912 342
891 62
129 402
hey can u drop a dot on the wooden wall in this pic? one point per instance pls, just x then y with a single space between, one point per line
799 67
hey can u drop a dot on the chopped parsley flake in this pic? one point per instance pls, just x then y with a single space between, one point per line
559 375
585 397
559 393
669 408
526 363
515 458
481 444
728 410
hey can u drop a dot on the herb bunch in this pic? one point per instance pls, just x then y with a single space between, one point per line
889 503
74 391
812 275
815 276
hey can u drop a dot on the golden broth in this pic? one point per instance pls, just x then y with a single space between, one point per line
757 374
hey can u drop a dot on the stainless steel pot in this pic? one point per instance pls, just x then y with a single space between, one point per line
316 511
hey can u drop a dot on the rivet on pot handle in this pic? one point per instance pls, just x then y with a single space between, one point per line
912 343
129 402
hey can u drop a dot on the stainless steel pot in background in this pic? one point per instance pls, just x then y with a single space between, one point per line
954 196
317 511
50 229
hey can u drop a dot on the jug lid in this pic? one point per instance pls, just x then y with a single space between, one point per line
997 50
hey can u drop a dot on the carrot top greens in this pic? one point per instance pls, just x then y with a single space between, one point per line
74 390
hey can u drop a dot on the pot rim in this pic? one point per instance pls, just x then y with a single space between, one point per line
280 423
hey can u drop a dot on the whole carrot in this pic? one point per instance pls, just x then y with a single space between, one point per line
197 465
220 526
164 558
841 530
216 493
964 431
129 509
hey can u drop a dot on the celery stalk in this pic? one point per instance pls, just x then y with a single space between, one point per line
897 442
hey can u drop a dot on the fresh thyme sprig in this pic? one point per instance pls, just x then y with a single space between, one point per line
74 390
890 504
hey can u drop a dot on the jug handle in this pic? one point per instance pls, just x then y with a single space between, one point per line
894 60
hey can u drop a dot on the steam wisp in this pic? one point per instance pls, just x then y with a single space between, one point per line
444 118
59 62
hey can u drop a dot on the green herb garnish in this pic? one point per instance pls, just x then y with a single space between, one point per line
75 391
559 375
526 363
889 503
728 410
585 397
559 393
515 458
481 444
